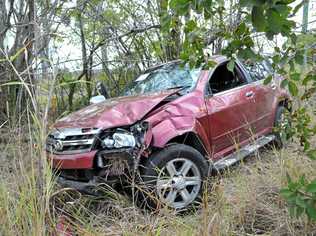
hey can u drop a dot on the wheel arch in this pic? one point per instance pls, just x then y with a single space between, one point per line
186 130
191 139
285 102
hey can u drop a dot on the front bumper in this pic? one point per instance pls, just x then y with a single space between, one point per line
73 161
89 171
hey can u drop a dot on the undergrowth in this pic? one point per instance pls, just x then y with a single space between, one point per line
242 200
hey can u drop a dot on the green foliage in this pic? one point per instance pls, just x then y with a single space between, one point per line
268 80
293 88
270 18
300 196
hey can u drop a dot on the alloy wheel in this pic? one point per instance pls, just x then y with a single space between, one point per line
178 183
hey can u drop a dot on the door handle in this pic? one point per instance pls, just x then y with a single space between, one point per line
250 94
273 86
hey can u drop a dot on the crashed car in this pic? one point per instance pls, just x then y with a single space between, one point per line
173 126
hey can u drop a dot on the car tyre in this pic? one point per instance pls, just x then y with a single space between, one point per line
174 177
280 120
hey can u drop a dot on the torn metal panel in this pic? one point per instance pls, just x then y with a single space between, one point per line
115 112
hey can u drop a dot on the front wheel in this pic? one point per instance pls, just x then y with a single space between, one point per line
175 176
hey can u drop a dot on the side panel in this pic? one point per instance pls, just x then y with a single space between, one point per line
231 117
186 114
265 98
173 127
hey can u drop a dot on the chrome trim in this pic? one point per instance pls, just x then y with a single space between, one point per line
72 151
230 90
58 136
78 142
64 132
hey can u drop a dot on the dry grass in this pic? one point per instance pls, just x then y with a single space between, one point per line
243 200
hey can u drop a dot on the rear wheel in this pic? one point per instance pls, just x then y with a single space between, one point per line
174 176
280 123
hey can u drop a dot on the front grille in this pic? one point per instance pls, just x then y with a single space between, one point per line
78 137
71 141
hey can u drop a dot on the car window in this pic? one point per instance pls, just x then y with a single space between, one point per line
222 79
163 78
258 70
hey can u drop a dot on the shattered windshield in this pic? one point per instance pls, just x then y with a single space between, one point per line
163 78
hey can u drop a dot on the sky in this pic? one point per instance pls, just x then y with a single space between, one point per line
312 14
70 49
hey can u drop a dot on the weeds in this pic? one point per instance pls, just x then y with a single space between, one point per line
242 200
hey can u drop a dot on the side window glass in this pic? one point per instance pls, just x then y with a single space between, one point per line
258 71
223 79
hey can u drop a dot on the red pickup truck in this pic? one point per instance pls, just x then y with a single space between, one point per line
172 126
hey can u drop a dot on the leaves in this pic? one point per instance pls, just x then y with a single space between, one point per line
300 201
311 188
286 193
311 212
309 77
180 6
295 76
312 154
272 18
299 58
190 26
284 83
293 88
231 65
267 80
258 19
274 21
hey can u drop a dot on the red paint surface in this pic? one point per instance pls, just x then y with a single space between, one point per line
74 161
113 112
219 121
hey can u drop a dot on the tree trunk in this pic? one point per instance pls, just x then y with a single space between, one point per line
15 96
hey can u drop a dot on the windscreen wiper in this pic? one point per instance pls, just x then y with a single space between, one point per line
179 87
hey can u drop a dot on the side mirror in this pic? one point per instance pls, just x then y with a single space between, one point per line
97 99
101 89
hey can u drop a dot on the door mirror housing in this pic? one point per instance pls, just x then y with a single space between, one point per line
101 89
97 99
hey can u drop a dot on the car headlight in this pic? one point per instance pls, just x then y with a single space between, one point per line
120 140
123 140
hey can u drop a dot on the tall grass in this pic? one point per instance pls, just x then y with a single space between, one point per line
26 181
26 184
243 200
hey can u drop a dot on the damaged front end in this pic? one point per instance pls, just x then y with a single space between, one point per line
86 158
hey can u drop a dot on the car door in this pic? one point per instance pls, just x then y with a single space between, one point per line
231 110
264 98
